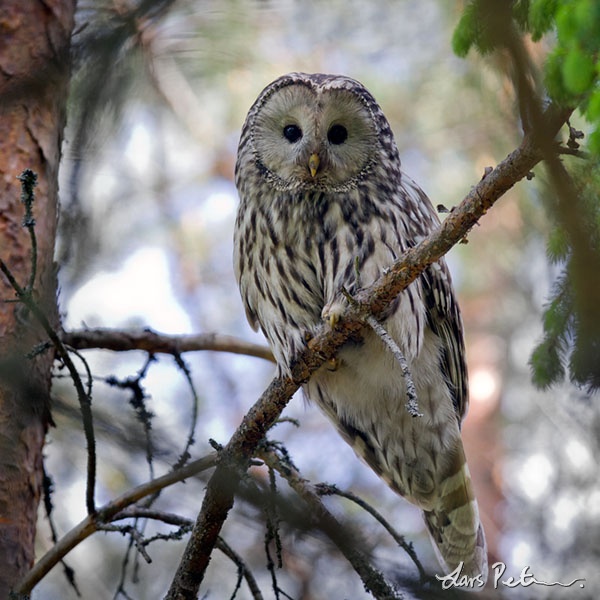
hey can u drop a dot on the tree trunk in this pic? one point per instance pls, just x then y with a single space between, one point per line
34 76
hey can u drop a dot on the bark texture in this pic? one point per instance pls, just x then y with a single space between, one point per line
34 76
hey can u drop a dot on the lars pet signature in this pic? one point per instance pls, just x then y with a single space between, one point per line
525 579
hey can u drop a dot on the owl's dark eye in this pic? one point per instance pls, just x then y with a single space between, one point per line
292 133
337 134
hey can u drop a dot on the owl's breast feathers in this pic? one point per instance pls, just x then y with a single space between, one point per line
295 253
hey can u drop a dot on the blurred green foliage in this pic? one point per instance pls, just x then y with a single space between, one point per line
572 69
571 329
571 341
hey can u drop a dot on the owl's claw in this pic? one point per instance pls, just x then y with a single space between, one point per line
333 319
333 364
332 313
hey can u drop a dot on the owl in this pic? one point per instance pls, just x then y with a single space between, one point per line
324 202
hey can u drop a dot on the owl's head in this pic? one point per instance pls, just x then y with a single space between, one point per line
314 132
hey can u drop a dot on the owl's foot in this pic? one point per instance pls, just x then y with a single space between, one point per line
332 312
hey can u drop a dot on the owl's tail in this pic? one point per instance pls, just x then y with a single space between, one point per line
455 528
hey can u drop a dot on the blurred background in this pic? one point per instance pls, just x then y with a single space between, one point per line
148 208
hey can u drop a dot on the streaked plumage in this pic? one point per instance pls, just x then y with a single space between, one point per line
320 184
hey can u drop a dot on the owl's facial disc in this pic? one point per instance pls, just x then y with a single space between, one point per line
310 138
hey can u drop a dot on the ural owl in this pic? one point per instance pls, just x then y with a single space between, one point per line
323 198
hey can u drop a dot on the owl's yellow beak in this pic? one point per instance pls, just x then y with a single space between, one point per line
313 164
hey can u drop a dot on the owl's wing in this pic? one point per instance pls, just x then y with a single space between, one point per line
443 318
443 313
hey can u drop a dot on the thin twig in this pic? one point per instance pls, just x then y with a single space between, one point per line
324 489
26 296
135 536
243 569
185 454
88 371
138 403
48 488
412 406
272 533
372 579
184 524
141 512
574 152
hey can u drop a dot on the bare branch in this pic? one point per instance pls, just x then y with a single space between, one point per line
243 569
152 341
328 490
106 514
372 579
140 512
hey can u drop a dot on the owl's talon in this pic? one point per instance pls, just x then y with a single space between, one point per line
333 364
332 313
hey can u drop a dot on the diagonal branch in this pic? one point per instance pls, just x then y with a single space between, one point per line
372 579
234 458
324 489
